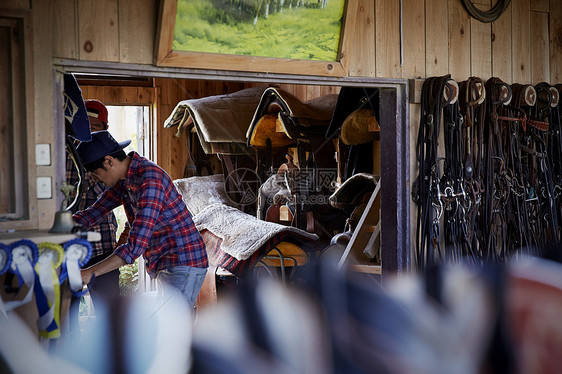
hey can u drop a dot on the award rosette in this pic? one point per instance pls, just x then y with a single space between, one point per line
24 254
47 292
77 253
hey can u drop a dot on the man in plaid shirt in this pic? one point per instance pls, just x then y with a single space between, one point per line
161 227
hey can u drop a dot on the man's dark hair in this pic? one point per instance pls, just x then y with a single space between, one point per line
97 164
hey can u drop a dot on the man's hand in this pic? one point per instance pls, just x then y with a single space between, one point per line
86 275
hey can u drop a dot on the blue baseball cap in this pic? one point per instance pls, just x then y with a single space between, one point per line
75 109
102 144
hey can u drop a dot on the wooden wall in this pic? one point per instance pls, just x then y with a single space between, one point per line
438 37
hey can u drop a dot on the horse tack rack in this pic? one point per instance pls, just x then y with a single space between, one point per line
365 241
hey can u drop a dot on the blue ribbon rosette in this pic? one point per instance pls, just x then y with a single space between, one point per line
77 253
47 289
24 254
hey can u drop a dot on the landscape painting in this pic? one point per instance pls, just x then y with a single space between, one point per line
290 29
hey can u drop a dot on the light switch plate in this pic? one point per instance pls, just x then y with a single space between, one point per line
42 154
44 190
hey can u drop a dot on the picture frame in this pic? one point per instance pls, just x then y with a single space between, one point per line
167 57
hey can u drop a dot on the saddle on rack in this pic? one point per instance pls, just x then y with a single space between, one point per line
220 121
284 119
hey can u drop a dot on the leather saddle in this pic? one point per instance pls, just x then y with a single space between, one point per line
283 119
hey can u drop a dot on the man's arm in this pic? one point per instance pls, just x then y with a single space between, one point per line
105 266
93 215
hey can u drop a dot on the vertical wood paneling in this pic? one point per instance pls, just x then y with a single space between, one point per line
481 47
415 110
359 30
521 42
459 41
312 93
137 27
40 86
170 93
63 23
387 38
94 92
329 90
98 30
542 5
555 42
539 48
501 47
16 4
413 37
436 38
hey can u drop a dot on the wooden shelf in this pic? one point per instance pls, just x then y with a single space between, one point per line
370 269
39 236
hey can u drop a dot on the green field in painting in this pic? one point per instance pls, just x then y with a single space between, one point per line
224 26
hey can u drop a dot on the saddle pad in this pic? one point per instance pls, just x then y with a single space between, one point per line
242 234
199 192
220 120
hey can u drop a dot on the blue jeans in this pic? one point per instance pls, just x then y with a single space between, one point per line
185 279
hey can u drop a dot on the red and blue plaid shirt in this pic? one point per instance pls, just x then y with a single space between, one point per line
162 229
108 226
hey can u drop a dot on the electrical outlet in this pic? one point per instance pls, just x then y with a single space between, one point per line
42 154
44 190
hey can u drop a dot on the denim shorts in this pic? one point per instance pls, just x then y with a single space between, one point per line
185 279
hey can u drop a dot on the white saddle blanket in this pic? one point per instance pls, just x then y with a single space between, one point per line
242 234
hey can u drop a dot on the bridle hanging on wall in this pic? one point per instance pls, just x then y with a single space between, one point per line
493 188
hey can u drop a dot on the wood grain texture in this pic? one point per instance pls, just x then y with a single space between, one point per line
542 5
98 30
137 27
555 33
436 38
540 71
37 73
165 30
415 110
502 63
63 22
387 39
359 29
16 4
413 38
480 47
459 41
521 41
